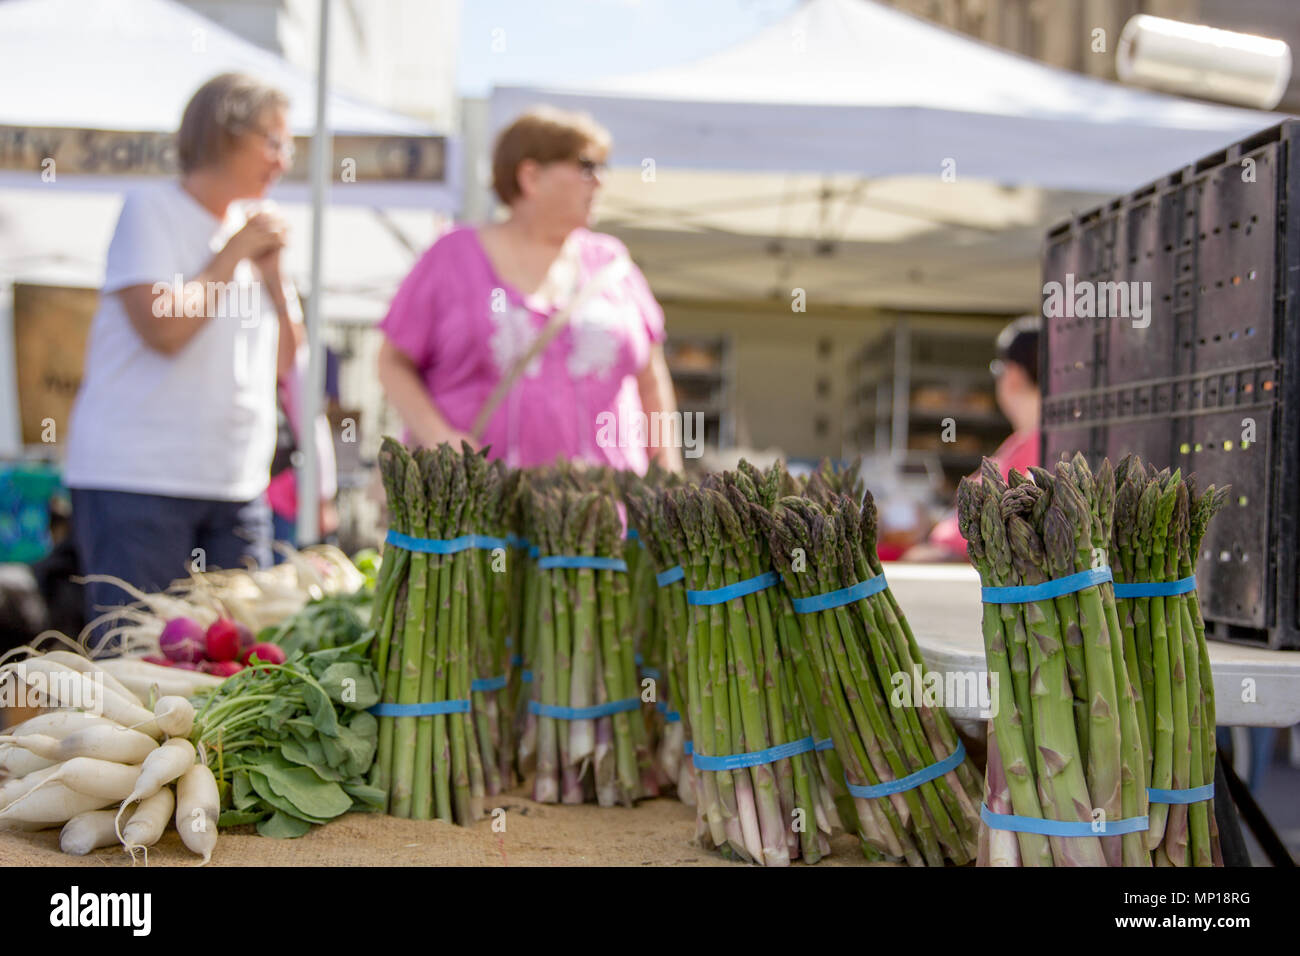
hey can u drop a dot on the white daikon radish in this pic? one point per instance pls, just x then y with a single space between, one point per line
66 687
148 822
11 790
88 831
160 768
117 744
173 717
142 677
48 806
198 807
17 762
94 668
97 778
59 723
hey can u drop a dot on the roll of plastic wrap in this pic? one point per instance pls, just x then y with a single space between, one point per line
1203 61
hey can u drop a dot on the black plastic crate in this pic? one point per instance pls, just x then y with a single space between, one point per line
1222 347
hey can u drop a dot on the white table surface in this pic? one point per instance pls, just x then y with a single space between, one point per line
942 603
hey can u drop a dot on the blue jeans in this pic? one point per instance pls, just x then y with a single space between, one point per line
150 540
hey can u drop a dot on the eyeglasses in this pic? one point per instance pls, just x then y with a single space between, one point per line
278 146
590 168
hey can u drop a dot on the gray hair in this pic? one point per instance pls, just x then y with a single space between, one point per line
223 108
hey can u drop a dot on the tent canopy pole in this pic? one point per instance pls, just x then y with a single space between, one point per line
314 385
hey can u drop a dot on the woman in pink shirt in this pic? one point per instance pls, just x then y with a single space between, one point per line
471 308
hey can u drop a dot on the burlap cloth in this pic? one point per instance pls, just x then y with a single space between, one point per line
654 833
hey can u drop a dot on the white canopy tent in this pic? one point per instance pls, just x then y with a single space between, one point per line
852 132
130 66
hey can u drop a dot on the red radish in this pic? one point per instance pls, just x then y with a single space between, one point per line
246 638
186 665
222 668
182 639
266 653
155 659
222 640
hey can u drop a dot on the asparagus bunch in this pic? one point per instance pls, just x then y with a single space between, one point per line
1068 739
741 691
432 765
1160 521
666 649
583 655
856 656
649 634
492 486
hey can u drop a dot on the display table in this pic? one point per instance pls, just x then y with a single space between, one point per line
656 832
942 603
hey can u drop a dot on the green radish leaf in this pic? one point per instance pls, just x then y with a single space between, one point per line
351 684
323 717
335 754
358 751
263 788
277 713
302 728
366 797
238 818
282 826
314 797
304 756
243 796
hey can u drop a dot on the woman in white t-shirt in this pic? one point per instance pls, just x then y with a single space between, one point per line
173 430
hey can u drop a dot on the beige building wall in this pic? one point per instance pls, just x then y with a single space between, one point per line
1060 32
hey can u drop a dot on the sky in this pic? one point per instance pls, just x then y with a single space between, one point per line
536 41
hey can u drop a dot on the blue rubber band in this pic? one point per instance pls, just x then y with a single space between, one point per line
444 545
1027 593
754 758
632 535
526 677
1061 828
421 710
739 589
485 684
912 780
826 744
517 541
638 659
854 592
1155 588
671 716
584 713
1190 795
675 573
516 660
688 748
653 673
581 561
534 551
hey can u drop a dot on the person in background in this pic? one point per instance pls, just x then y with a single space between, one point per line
1015 376
173 429
466 335
282 493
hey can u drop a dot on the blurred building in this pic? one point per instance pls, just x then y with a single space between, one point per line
1059 32
396 53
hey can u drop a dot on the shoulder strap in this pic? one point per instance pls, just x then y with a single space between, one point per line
609 273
